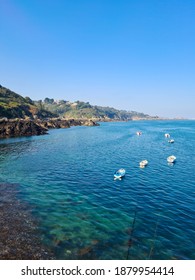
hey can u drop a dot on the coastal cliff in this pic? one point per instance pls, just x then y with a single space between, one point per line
21 116
22 127
13 128
13 105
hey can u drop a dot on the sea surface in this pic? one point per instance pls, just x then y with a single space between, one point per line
66 178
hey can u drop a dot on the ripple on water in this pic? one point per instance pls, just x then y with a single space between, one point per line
67 180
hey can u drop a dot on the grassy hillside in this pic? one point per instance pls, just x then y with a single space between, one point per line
80 109
13 105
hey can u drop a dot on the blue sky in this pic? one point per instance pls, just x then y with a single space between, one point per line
128 54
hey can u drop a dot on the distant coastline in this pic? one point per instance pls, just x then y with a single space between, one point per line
29 127
162 119
21 116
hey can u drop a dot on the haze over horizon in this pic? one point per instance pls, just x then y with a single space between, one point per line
131 55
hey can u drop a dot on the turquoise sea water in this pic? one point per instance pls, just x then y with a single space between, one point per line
67 179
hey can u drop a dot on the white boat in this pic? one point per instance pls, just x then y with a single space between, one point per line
119 174
171 159
143 163
171 141
167 135
138 133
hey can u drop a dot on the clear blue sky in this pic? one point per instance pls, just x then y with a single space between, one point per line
128 54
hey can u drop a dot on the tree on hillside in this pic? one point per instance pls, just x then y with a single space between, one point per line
28 100
48 100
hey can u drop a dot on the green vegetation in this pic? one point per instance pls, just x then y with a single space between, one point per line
13 105
80 109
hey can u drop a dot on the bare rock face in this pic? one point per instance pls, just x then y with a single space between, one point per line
28 127
90 123
85 122
54 123
12 128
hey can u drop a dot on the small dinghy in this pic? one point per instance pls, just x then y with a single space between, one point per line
138 133
119 174
143 163
171 159
167 135
171 141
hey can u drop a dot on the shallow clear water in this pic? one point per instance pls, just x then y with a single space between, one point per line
67 179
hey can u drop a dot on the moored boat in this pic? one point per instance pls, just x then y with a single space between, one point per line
143 163
119 174
138 133
171 159
167 135
171 141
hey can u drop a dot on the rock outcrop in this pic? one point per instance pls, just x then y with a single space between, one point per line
80 122
12 128
64 123
23 127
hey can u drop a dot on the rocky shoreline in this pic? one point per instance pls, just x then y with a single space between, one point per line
28 127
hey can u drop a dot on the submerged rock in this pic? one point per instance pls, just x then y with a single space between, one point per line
19 236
